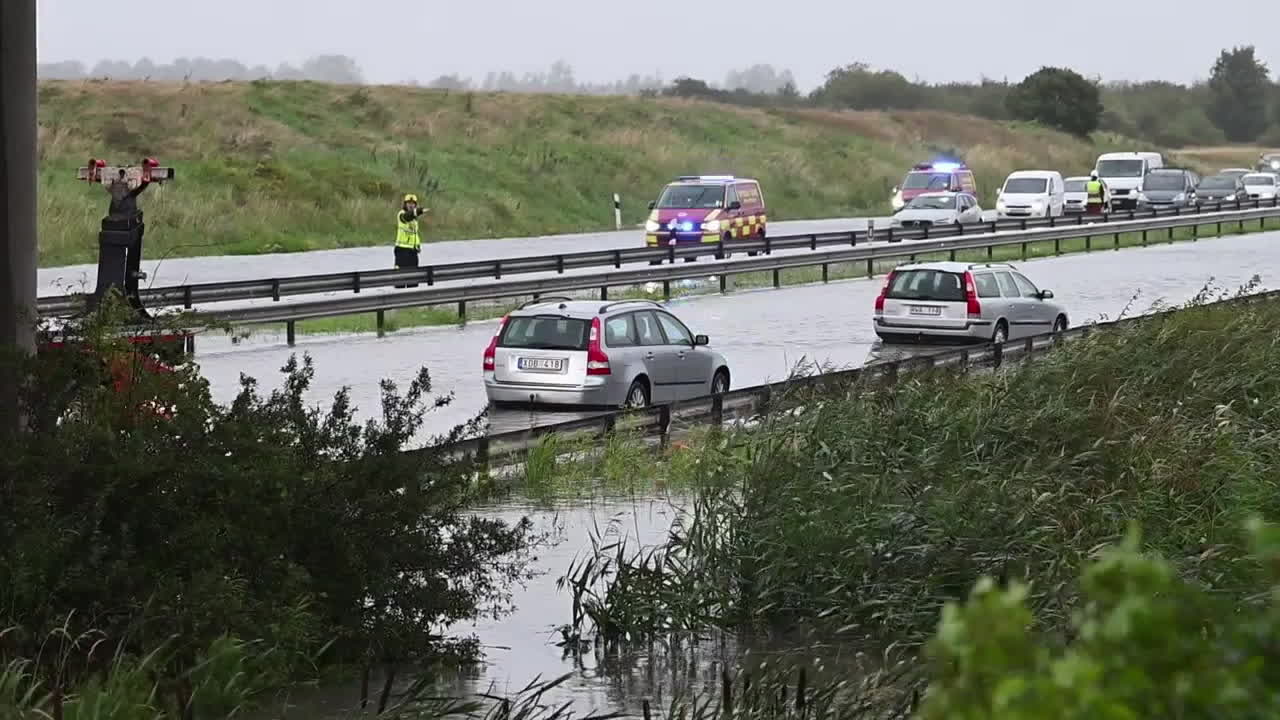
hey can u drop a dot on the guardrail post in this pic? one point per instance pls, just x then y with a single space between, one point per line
1219 228
664 425
1024 248
671 255
560 264
382 322
1022 225
853 237
191 343
497 269
991 252
1195 233
1088 243
275 289
720 248
951 256
1057 245
186 297
482 455
604 293
290 332
355 283
959 228
1144 239
666 289
617 258
813 242
870 268
1242 225
1052 221
1117 240
724 282
825 269
1262 223
462 310
717 409
890 235
924 232
768 245
1170 234
777 278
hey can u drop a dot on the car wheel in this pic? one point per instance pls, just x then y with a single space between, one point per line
1060 325
720 382
637 394
1001 334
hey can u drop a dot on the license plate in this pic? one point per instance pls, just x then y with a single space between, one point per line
925 310
541 364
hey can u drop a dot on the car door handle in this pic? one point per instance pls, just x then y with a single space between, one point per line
648 356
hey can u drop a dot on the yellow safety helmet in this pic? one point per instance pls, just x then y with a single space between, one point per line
411 198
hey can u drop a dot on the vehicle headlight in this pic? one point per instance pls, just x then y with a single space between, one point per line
652 226
1275 164
896 201
1230 197
711 226
1179 197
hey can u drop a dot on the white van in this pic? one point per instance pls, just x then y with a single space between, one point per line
1123 173
1031 194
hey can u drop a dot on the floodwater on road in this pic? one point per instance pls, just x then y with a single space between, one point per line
763 334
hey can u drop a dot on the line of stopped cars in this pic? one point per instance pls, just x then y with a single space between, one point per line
633 353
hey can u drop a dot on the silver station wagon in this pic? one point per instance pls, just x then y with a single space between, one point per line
963 301
631 353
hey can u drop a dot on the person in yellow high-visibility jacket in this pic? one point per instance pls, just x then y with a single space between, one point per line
408 239
1095 194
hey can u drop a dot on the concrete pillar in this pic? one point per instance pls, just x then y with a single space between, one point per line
17 173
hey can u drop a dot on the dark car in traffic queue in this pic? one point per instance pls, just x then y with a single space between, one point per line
1221 189
1166 188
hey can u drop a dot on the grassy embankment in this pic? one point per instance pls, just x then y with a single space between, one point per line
867 512
281 167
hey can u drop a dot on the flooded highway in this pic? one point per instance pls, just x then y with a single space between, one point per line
764 334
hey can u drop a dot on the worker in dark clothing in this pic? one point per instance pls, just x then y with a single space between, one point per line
124 201
408 241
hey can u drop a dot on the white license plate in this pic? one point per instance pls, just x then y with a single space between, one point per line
541 364
925 310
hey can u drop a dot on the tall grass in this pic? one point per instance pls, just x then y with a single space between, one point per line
868 508
285 166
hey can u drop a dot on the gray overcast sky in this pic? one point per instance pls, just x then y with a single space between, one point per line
396 40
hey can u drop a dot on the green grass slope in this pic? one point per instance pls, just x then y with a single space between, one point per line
280 167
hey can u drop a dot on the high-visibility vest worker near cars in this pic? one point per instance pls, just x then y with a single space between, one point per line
408 239
1094 194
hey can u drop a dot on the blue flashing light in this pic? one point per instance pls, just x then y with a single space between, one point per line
686 226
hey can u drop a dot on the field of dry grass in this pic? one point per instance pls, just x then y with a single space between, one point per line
277 167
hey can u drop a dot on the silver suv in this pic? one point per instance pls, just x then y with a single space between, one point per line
617 354
989 301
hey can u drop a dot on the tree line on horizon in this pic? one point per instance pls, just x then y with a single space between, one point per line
1239 102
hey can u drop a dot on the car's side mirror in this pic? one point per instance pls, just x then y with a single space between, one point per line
1046 294
735 205
701 340
653 204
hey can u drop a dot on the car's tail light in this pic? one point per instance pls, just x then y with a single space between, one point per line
491 352
597 361
972 306
884 290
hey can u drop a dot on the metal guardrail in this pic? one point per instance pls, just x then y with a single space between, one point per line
187 296
290 313
662 421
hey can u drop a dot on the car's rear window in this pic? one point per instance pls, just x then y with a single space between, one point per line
1074 185
934 285
545 332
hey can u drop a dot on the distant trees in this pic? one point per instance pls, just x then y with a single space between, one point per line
1239 89
858 87
1057 97
760 79
323 68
